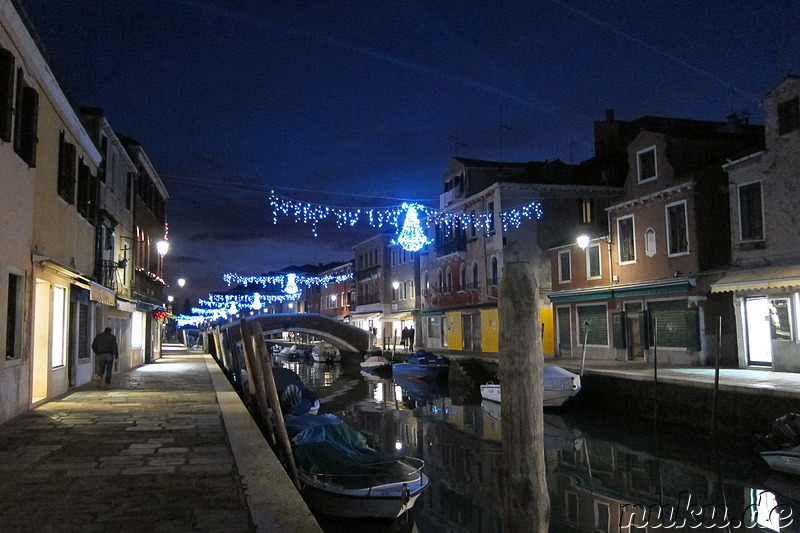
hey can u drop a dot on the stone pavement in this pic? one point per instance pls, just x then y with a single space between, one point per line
168 448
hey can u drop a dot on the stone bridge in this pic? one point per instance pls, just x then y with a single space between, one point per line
345 337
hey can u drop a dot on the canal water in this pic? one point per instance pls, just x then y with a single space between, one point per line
603 473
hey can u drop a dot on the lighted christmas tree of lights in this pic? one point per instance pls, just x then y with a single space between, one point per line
412 237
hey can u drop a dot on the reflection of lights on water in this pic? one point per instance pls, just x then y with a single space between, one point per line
398 445
398 393
436 410
377 393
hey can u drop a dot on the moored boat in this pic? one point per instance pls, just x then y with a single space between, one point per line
559 386
783 442
378 365
323 352
423 365
341 476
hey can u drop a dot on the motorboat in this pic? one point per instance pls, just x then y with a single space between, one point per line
294 351
559 386
323 352
423 365
341 476
378 365
783 442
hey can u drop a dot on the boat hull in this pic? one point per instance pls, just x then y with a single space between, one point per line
786 461
378 502
562 388
424 373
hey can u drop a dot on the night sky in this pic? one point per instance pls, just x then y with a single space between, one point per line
362 103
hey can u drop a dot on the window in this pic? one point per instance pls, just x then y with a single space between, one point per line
490 218
410 289
571 507
586 211
449 280
627 248
564 267
426 282
16 286
751 221
495 273
58 321
439 281
67 160
788 116
26 120
473 229
602 517
780 318
650 242
594 320
6 93
646 160
677 239
474 274
462 277
593 262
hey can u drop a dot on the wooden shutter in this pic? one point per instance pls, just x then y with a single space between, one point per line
6 94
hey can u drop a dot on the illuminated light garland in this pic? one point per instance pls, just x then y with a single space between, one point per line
244 300
236 279
447 221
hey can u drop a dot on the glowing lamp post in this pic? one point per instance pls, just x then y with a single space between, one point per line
162 247
181 283
583 241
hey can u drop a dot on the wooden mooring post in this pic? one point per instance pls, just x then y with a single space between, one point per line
526 502
256 377
275 403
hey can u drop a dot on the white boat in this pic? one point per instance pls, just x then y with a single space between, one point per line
786 461
559 386
377 364
322 352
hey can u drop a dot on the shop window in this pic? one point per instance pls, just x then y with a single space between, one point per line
592 325
780 318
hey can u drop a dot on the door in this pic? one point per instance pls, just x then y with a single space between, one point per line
633 321
759 336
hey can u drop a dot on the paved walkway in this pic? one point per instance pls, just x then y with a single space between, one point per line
168 448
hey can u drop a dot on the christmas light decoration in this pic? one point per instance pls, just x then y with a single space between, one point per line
410 220
282 280
412 237
291 285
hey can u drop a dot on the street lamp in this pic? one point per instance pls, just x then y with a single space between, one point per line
162 247
583 241
181 282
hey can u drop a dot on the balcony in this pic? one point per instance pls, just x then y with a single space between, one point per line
109 274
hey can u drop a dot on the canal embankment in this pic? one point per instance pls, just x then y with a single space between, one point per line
747 400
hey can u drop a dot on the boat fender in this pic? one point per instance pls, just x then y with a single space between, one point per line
406 493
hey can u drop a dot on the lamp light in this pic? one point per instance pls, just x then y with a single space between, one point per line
583 241
162 247
395 285
181 282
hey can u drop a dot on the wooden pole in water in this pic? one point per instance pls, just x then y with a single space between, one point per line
716 379
256 377
526 503
275 403
585 340
655 372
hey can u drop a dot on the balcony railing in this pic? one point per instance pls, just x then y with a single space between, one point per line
109 274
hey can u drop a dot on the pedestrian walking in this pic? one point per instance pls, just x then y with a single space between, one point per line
404 337
105 348
411 339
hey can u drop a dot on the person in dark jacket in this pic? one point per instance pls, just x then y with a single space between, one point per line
105 348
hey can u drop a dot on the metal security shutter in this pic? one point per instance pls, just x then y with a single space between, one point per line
671 322
598 324
563 328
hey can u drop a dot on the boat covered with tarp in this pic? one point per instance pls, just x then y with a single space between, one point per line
341 476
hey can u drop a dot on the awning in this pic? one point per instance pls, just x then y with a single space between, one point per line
787 277
680 285
104 295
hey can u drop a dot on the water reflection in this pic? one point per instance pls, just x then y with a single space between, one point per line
603 474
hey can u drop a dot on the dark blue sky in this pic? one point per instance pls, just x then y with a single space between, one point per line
232 98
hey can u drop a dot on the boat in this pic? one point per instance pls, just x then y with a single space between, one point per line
293 394
378 365
341 476
420 391
294 351
323 352
559 386
784 443
423 365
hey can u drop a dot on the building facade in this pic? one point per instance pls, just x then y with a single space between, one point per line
765 247
647 282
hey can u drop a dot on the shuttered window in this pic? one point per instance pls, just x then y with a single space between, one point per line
671 322
26 121
597 319
67 160
6 94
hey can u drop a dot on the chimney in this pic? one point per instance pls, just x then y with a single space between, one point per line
609 115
